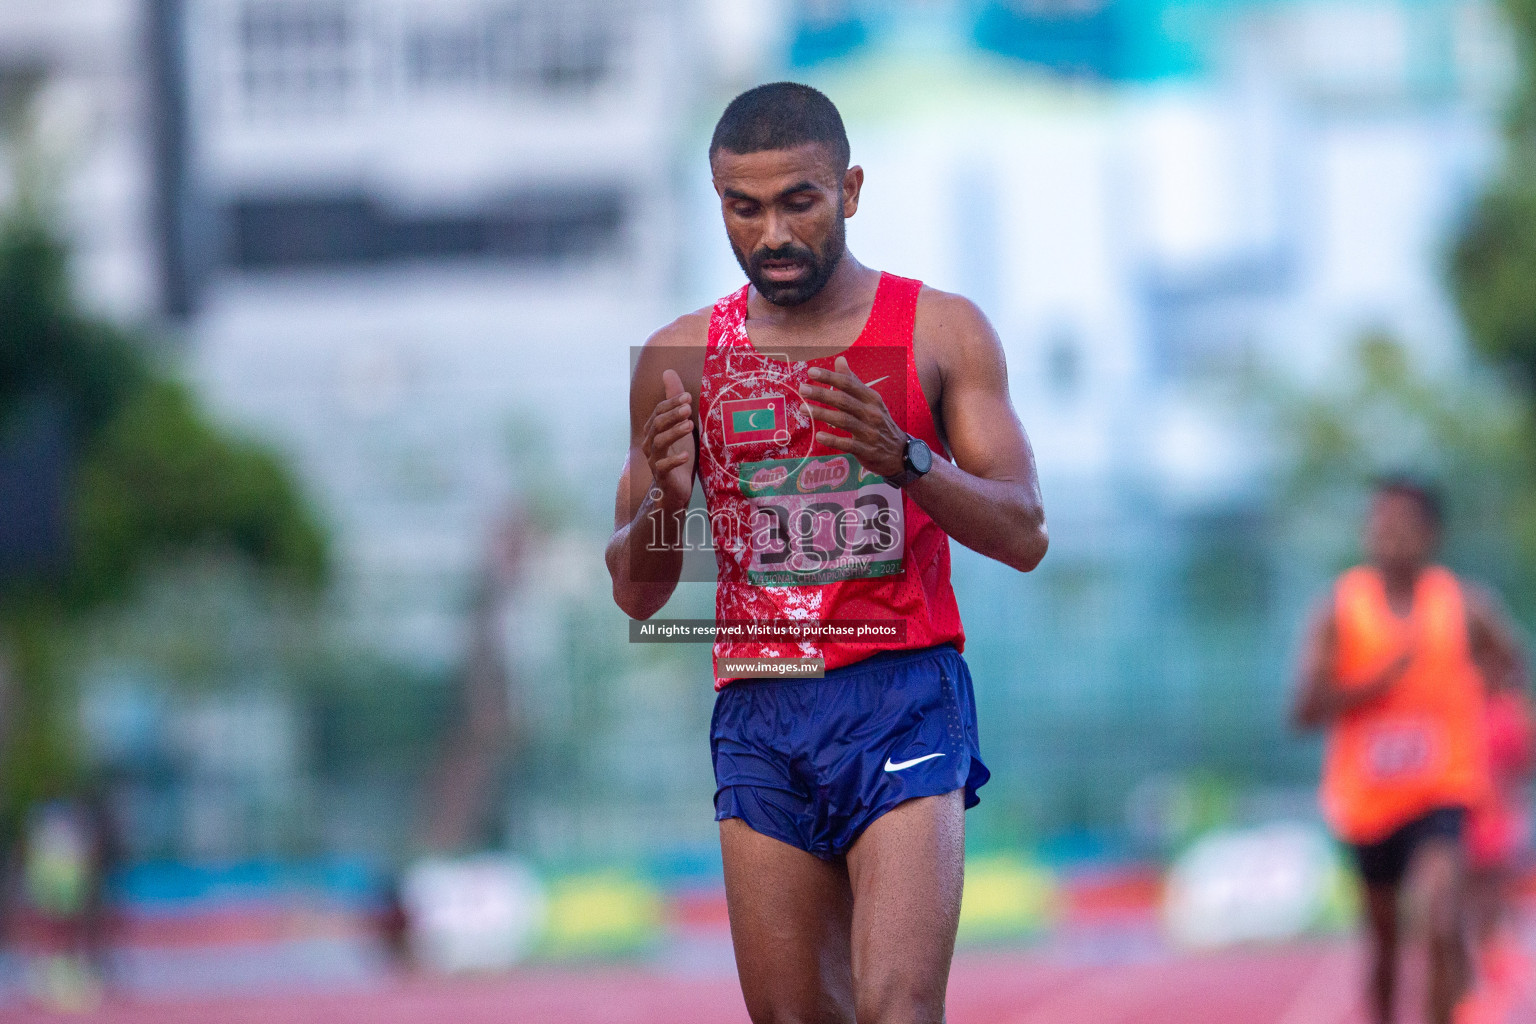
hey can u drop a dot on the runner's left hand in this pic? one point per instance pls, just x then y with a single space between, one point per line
848 404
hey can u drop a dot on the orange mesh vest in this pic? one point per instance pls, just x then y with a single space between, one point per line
1421 744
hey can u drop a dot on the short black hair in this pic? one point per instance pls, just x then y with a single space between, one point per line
780 115
1423 493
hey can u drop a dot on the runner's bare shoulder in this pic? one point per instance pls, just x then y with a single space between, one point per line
1486 613
952 330
954 345
679 346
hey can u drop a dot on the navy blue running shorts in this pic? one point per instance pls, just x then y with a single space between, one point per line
1386 861
813 762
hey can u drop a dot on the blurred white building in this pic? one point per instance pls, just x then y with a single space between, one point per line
80 93
429 232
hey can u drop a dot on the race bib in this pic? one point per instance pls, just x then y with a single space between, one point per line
820 520
1399 750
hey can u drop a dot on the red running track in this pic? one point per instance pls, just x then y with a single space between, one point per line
1303 984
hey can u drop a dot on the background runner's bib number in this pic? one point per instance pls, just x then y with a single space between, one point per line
1398 750
820 520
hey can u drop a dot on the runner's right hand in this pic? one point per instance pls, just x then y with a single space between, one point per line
668 443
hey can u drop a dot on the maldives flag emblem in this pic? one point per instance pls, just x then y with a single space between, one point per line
755 419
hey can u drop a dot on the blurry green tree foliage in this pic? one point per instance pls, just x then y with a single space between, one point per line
1493 264
145 475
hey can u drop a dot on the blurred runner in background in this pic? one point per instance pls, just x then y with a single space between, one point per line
1498 832
1393 669
67 852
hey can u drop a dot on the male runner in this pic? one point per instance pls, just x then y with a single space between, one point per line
1394 669
843 423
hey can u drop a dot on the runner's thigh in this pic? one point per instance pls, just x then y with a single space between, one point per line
1437 884
790 919
907 871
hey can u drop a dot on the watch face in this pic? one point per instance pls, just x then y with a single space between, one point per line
919 456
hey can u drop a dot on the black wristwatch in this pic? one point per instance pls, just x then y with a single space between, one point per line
917 461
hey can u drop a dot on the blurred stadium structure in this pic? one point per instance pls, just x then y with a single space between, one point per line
409 243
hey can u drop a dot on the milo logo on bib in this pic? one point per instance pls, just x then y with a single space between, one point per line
822 474
820 520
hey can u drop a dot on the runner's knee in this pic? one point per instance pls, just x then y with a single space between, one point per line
898 998
1442 902
796 1011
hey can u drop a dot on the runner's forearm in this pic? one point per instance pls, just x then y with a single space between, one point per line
1326 700
1504 667
1322 704
997 518
645 559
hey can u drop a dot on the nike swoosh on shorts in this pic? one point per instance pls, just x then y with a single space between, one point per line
896 766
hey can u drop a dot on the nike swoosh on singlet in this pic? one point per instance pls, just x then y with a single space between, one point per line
896 766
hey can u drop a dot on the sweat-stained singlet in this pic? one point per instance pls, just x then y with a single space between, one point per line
803 532
1421 745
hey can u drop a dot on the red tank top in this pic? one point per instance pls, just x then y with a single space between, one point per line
802 532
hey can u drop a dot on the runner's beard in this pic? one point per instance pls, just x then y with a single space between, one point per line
793 293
